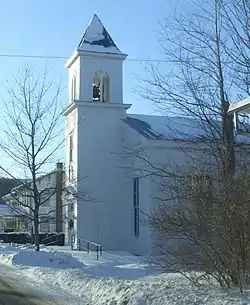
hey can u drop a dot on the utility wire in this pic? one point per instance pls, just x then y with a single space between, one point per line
65 57
33 56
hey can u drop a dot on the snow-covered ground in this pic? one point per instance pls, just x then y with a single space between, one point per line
116 279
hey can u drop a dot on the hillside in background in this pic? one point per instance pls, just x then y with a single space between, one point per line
6 184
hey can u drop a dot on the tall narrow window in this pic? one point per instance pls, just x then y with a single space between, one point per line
71 148
136 206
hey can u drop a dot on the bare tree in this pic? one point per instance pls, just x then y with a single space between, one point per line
32 135
206 66
206 233
236 16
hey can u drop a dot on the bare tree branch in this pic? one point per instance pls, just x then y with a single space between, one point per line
32 137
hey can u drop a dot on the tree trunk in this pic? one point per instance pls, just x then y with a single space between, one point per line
227 120
228 137
36 232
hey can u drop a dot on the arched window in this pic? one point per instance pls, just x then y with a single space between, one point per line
73 88
96 87
101 87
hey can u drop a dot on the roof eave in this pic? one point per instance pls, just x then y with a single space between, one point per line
72 59
240 106
86 53
105 52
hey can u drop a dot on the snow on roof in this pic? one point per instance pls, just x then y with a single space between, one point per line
238 106
162 127
97 39
6 210
166 128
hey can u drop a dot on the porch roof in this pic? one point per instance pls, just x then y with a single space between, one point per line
240 107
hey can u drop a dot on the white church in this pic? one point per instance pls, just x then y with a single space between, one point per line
110 198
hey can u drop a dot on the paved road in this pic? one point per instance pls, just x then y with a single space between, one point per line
16 285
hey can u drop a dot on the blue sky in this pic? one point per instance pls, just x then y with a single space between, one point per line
55 27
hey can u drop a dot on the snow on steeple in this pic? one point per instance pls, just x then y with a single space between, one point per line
97 39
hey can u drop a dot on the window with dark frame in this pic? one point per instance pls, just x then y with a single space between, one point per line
136 206
70 148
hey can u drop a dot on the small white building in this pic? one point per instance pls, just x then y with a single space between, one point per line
112 192
50 187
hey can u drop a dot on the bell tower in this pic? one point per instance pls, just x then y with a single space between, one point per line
95 68
93 133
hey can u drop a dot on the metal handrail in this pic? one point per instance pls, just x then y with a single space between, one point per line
87 248
50 236
91 242
50 243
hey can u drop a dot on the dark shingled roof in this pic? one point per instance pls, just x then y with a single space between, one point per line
178 128
143 128
162 127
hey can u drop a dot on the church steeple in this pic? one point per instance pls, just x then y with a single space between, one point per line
95 68
97 39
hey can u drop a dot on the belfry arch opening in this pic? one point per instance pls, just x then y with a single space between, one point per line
101 87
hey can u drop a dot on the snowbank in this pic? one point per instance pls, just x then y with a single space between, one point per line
116 279
170 289
51 259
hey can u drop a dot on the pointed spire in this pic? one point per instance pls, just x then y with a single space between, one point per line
97 39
